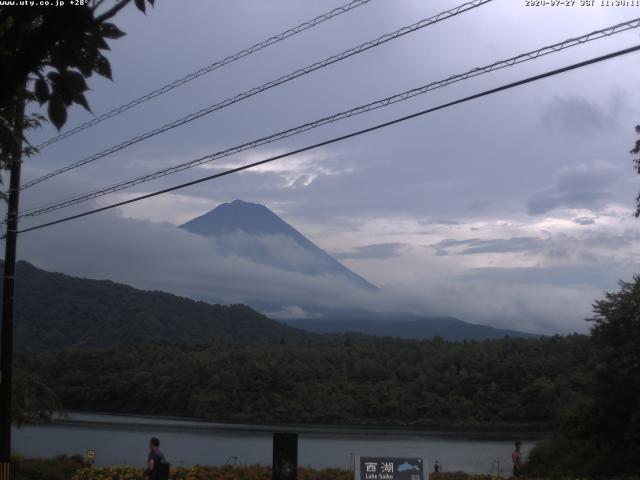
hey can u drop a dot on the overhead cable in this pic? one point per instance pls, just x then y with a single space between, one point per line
341 138
532 55
266 86
208 69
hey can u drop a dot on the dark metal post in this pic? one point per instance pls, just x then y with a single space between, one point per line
6 355
285 456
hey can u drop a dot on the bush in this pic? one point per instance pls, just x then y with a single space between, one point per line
59 468
198 472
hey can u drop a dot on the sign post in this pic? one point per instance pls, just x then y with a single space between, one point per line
91 456
285 456
390 468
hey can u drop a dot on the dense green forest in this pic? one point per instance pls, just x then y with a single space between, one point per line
367 381
76 312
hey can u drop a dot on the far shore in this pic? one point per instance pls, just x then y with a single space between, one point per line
128 420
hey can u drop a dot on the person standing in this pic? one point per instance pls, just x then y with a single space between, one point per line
156 457
516 458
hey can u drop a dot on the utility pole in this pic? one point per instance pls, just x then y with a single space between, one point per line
6 355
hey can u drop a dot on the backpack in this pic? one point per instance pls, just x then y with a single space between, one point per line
162 472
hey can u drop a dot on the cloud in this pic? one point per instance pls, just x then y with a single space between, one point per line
600 276
478 206
585 220
446 222
298 171
583 186
473 246
576 116
159 256
290 312
373 251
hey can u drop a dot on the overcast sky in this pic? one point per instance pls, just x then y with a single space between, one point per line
514 210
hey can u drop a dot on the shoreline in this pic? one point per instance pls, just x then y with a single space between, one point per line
123 420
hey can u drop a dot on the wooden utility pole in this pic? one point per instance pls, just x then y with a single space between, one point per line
6 355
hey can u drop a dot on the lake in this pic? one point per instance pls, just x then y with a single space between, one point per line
124 440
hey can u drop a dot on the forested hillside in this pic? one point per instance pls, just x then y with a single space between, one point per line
55 310
503 383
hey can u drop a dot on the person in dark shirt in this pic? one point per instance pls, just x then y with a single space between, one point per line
155 458
518 462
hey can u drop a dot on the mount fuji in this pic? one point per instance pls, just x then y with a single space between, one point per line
252 231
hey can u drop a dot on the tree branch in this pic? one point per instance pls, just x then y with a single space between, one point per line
97 3
112 11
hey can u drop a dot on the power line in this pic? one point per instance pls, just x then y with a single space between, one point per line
532 55
266 86
208 69
343 137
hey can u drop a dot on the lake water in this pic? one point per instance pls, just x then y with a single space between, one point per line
120 440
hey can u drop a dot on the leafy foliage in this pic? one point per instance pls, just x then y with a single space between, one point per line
198 472
73 468
601 436
370 381
33 401
636 162
61 467
45 56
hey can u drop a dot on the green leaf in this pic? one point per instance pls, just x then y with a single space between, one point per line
80 99
42 91
73 81
102 67
85 64
109 30
98 42
57 111
141 6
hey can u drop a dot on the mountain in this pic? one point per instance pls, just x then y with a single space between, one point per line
405 326
252 231
53 310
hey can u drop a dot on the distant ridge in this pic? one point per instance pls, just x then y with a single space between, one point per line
416 328
78 312
68 311
229 220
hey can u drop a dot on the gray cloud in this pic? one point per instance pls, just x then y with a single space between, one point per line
583 186
601 276
576 116
585 220
478 206
438 221
374 251
494 245
154 256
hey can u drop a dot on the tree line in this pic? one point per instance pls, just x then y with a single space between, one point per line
509 383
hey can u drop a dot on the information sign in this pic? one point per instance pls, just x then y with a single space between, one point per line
91 456
390 468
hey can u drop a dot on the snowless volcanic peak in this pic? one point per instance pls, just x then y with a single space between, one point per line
253 231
